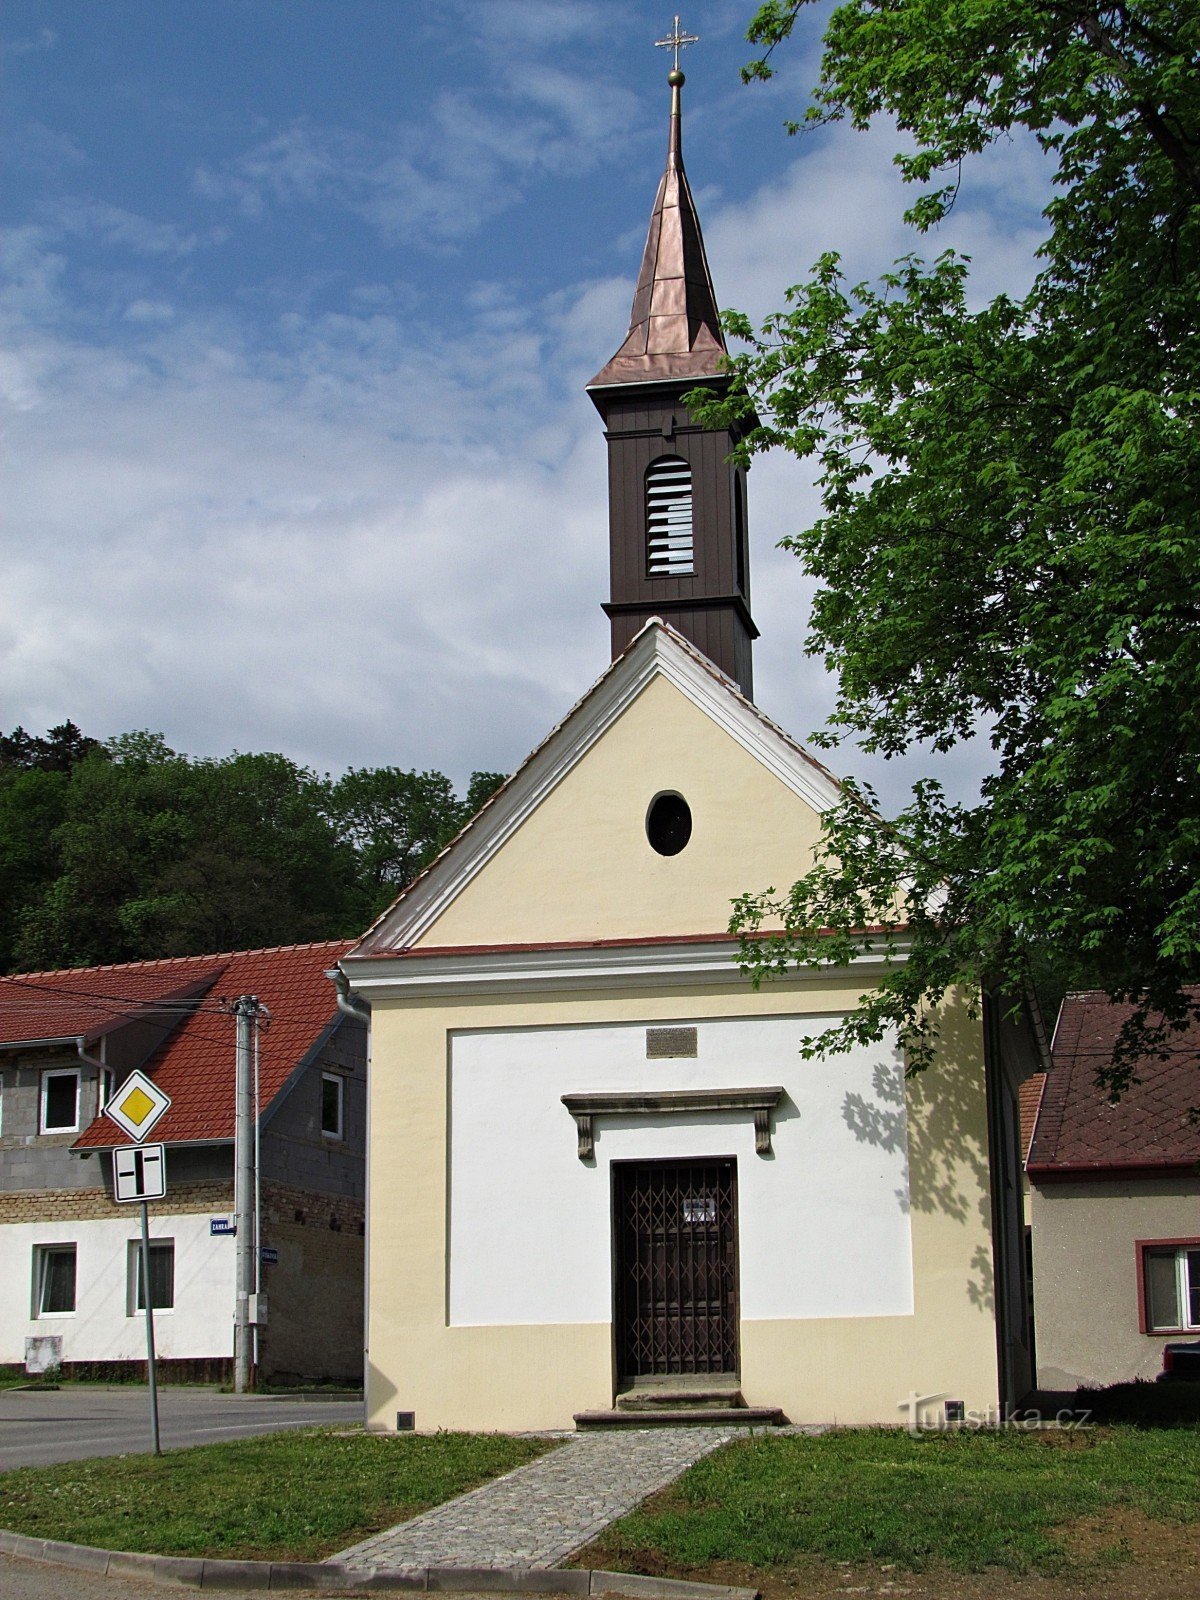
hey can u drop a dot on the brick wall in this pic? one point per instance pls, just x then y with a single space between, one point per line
315 1293
60 1205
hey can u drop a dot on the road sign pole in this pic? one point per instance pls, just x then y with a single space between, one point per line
148 1301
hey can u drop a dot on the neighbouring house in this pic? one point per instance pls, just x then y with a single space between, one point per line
69 1268
1115 1204
600 1166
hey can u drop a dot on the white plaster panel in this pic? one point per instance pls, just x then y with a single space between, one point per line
823 1223
100 1329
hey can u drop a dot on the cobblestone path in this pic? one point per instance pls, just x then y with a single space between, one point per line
537 1515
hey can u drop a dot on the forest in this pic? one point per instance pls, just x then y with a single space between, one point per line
124 849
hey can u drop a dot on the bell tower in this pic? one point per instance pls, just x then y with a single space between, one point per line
678 538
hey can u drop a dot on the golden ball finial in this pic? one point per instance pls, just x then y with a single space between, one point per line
676 78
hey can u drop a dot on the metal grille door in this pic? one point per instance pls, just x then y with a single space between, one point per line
676 1266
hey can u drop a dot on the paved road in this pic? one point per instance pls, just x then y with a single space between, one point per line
38 1427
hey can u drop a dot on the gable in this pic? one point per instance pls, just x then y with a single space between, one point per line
580 866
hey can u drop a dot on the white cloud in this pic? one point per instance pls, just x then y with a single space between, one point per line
148 311
43 39
366 540
47 151
843 193
112 227
434 179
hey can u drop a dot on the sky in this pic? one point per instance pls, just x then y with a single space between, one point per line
298 300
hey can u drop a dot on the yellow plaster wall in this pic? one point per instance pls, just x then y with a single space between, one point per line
849 1370
581 867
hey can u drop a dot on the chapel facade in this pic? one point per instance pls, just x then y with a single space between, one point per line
600 1168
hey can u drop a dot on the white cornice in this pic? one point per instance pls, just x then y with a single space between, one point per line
614 968
656 652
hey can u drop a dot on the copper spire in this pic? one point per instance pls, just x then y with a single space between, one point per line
674 329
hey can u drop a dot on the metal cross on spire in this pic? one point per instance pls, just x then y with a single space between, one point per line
676 40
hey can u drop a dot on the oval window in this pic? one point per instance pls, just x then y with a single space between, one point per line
669 824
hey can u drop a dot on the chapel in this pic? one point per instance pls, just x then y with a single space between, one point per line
604 1182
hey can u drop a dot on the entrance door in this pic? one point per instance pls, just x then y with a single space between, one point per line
675 1226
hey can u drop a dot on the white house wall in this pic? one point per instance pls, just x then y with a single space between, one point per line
824 1225
199 1326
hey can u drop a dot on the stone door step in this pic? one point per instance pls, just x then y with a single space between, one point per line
697 1397
695 1416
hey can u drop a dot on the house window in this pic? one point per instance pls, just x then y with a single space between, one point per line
53 1280
108 1082
669 548
60 1101
332 1091
1171 1285
162 1276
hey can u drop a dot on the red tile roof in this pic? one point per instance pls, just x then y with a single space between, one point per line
195 1062
88 1002
1078 1131
1031 1100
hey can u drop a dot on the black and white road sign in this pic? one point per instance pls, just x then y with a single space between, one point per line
139 1172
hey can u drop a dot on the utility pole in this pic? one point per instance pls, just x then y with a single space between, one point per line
246 1010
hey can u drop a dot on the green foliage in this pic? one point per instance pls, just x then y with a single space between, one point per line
398 821
969 1500
134 851
1008 539
287 1496
57 752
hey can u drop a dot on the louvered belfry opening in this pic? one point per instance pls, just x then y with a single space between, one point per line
670 551
676 1267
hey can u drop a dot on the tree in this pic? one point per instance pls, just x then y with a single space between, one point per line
1009 528
131 851
158 855
398 821
34 780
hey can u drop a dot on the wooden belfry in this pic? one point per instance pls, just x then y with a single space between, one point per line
677 508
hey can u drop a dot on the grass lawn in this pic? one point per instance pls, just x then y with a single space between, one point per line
287 1496
1047 1505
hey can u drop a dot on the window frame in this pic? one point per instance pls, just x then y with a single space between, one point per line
41 1255
44 1096
338 1133
133 1274
106 1087
1180 1247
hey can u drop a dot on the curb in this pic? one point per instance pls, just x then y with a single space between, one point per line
190 1572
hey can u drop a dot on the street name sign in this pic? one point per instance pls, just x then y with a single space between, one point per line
137 1106
139 1172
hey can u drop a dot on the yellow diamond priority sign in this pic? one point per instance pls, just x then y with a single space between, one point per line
137 1106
